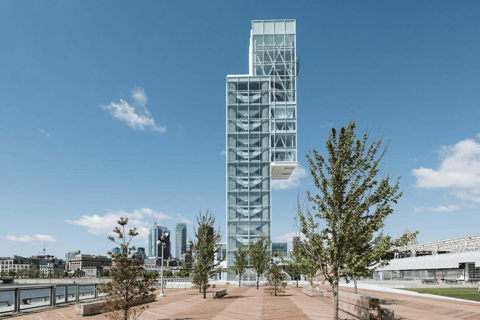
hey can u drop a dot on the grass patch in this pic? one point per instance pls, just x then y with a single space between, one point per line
460 293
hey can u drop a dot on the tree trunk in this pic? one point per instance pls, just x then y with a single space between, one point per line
355 285
204 292
258 278
335 300
297 282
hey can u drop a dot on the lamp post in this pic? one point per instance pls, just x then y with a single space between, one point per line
160 241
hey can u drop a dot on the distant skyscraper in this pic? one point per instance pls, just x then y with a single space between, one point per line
154 249
180 240
261 130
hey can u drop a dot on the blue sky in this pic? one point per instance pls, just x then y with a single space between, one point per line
117 108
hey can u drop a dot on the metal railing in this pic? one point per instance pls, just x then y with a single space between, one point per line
21 304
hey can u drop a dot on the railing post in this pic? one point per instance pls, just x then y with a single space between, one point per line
95 291
77 293
53 295
66 293
16 300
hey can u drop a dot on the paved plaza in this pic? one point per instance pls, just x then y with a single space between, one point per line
248 303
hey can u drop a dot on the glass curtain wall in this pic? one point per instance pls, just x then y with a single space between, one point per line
261 128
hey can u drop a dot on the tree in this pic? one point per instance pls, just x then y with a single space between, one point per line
128 284
240 264
260 256
351 204
65 274
206 246
2 273
36 274
275 279
11 273
167 273
184 273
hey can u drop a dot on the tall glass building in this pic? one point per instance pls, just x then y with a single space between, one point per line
154 249
261 130
180 240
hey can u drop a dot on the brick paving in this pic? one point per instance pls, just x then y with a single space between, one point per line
248 303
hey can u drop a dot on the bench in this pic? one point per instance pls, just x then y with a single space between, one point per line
363 307
96 307
219 293
314 291
430 281
451 281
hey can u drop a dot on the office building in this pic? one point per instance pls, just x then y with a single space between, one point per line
83 261
261 130
180 240
154 249
71 254
140 253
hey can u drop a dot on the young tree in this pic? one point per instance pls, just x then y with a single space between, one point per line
128 284
2 273
206 246
275 279
260 256
241 263
167 273
352 205
36 274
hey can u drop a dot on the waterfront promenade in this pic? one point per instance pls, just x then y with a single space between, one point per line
248 303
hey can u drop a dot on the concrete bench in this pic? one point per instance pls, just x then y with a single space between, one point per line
96 307
363 307
314 291
219 293
430 281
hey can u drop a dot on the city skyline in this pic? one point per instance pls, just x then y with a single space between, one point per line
97 121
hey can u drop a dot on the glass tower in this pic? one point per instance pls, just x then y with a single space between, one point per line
180 240
154 249
261 130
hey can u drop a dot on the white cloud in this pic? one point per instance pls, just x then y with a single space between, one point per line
223 153
459 171
181 219
440 209
293 181
142 219
329 124
138 94
478 135
36 239
44 132
289 236
135 116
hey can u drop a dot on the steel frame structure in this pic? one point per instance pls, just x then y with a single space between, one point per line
261 130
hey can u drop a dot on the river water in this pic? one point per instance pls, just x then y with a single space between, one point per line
34 293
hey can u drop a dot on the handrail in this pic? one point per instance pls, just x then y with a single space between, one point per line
52 296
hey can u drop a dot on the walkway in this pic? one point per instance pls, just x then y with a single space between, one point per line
248 303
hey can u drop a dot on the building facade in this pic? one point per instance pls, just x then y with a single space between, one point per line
154 249
261 130
83 261
180 240
71 254
450 260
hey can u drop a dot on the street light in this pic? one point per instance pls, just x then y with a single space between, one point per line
160 241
